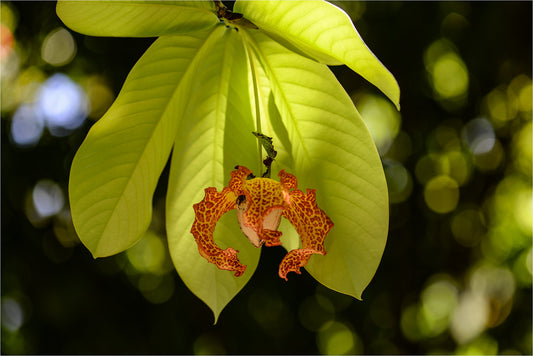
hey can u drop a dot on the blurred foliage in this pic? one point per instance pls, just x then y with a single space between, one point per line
456 275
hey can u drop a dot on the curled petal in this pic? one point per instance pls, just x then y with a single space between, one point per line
295 259
311 223
287 180
227 260
238 178
207 213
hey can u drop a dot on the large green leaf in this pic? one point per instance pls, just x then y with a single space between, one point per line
333 152
136 18
323 32
204 154
116 169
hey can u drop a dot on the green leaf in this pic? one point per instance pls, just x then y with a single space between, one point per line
331 151
116 169
136 18
323 32
214 137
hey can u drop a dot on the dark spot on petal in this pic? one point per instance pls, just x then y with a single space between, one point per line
240 199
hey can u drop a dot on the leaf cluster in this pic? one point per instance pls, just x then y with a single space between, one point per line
208 81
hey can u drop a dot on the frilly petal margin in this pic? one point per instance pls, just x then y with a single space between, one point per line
207 213
311 223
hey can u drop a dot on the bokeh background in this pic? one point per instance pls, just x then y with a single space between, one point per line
456 273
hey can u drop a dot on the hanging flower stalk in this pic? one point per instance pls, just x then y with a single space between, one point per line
260 204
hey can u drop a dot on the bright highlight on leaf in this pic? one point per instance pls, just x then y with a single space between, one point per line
136 18
321 31
260 203
116 169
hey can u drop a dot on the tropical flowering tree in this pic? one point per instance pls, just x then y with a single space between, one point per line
211 78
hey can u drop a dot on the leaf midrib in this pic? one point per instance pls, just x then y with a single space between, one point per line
270 72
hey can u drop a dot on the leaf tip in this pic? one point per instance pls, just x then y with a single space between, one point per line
396 99
215 317
392 91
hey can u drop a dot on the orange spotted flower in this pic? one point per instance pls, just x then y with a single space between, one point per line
260 204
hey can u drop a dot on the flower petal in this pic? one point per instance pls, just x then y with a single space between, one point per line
295 259
311 223
259 205
207 213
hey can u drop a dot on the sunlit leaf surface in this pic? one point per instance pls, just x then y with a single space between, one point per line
322 31
332 151
199 161
116 169
136 18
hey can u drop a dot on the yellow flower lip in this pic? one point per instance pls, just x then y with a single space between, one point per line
260 204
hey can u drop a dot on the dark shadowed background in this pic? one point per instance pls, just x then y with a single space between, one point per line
456 273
